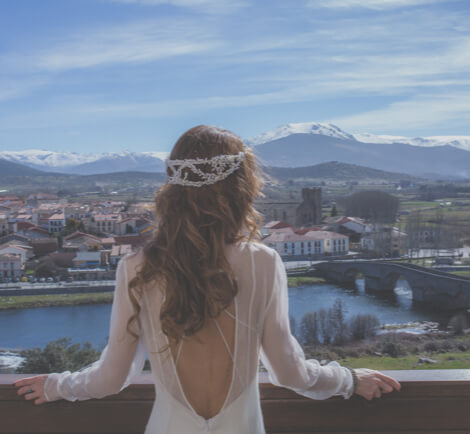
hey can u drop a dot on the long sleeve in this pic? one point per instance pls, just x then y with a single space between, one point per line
283 356
121 360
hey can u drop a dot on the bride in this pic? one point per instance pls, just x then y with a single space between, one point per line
206 300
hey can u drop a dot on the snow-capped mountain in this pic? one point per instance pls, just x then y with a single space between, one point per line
462 142
322 129
306 144
330 130
87 163
290 145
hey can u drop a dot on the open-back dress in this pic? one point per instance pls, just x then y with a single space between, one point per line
210 386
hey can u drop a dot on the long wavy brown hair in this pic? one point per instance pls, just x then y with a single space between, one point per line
186 255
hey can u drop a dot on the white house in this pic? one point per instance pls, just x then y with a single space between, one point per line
56 223
335 244
25 252
107 223
292 244
356 224
312 243
126 226
10 265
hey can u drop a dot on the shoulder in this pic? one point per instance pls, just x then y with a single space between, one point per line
131 261
260 251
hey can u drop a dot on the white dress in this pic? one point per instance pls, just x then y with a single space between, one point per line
262 331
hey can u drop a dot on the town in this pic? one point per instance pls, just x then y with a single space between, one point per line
46 238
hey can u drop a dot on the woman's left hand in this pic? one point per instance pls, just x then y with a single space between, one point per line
32 388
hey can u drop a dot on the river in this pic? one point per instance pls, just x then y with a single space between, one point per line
28 328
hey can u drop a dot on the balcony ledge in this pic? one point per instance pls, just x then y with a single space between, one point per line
431 401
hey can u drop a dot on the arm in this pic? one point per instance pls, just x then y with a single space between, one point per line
283 356
121 360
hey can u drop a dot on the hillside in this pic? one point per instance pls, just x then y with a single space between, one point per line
335 170
8 168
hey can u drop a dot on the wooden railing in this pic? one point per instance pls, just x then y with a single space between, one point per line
431 401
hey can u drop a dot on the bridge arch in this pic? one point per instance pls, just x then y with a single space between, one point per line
350 275
390 279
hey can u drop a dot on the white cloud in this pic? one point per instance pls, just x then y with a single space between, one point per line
208 6
11 88
370 4
421 112
132 43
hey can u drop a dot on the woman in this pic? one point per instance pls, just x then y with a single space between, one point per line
206 300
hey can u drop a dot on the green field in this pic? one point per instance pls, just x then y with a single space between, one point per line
461 273
453 360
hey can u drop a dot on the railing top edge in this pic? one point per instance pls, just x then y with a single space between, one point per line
403 376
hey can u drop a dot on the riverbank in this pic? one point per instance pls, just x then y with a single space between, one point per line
305 280
30 301
391 351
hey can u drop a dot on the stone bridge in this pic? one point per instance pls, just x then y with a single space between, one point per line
429 286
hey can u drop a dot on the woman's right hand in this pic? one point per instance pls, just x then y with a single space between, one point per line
372 384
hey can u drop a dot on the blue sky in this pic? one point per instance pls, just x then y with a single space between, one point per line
107 75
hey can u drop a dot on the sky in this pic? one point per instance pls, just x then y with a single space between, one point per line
111 75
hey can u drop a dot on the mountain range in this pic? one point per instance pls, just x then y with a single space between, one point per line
290 145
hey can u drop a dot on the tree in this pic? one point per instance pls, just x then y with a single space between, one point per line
71 224
324 330
334 211
309 328
375 205
337 316
46 267
58 356
363 326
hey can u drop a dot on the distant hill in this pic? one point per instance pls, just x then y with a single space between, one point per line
335 170
298 145
301 149
290 145
7 168
129 176
87 163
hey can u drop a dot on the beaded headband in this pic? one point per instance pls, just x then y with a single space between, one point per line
221 167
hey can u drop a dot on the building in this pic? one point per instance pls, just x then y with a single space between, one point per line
275 226
107 223
84 259
31 231
24 251
81 241
275 211
4 230
292 244
304 213
77 212
117 252
126 226
56 223
388 241
11 266
44 246
309 211
312 244
335 244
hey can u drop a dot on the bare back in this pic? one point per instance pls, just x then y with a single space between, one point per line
204 364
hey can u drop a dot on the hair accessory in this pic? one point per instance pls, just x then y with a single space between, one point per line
221 167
